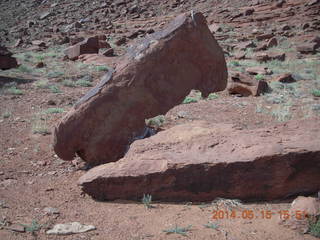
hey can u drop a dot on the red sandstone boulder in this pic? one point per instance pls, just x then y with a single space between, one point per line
246 85
87 46
154 76
200 162
269 56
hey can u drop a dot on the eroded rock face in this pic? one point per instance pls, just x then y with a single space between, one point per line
154 76
199 162
6 59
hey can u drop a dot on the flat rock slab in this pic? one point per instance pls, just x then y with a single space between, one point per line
200 162
155 75
70 228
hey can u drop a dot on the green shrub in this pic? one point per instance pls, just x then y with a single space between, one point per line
24 69
212 226
83 83
14 91
6 114
33 227
259 77
315 229
40 127
234 63
179 230
55 74
155 122
102 68
55 89
213 96
282 113
188 100
316 92
53 110
68 83
146 200
43 84
40 57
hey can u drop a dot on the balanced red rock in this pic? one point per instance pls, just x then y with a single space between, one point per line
200 162
154 76
6 59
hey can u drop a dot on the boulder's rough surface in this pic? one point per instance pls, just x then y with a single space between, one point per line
154 76
6 59
199 162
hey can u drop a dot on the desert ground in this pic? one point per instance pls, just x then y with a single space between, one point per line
39 190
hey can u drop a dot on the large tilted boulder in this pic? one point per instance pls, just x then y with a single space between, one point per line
199 162
6 59
154 76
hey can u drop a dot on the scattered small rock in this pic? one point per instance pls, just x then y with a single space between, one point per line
215 28
16 228
39 43
307 48
303 211
240 55
268 56
313 2
273 42
120 41
285 27
40 65
89 45
249 11
258 70
3 204
6 59
51 210
70 228
280 3
264 36
305 26
45 15
285 78
182 114
245 85
108 53
245 45
51 102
